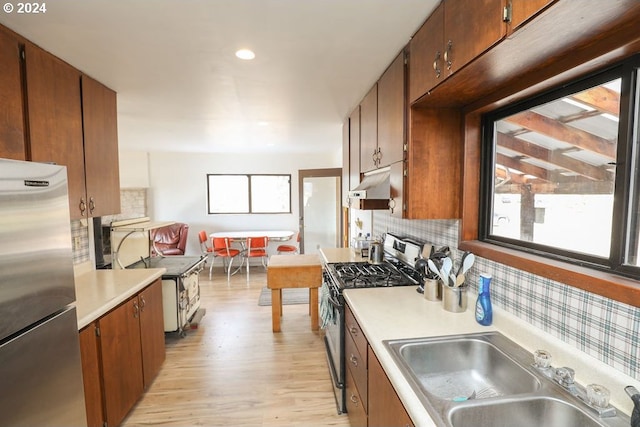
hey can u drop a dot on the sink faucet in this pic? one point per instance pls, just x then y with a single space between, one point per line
594 396
635 396
565 377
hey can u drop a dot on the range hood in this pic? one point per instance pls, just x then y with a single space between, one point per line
374 191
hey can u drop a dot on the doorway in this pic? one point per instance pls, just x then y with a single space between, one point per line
319 193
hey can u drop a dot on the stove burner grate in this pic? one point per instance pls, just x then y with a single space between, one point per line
365 275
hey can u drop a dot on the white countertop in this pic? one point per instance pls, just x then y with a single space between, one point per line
401 312
99 291
333 255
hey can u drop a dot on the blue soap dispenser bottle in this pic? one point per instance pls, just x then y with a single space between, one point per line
484 312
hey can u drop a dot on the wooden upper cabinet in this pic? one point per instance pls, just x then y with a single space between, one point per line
99 115
456 32
432 185
470 28
426 50
369 130
55 119
12 134
523 10
396 190
391 113
354 148
345 164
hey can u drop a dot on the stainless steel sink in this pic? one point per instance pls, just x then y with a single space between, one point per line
459 367
536 412
486 379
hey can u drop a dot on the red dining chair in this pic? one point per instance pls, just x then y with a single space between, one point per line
256 248
206 249
222 248
289 249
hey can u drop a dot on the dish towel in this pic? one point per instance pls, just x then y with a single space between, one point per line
327 314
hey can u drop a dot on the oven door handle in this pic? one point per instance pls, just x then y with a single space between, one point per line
332 368
335 303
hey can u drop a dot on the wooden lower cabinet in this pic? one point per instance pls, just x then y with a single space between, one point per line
151 332
385 407
355 408
371 398
91 375
128 351
121 360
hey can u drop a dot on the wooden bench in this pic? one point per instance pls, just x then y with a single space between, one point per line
294 271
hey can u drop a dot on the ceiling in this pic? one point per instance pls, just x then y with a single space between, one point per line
567 145
181 88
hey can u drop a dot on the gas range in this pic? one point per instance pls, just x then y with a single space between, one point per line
365 275
397 269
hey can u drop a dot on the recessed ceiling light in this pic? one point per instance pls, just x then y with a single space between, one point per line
245 54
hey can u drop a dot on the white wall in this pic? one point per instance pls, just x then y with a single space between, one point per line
134 169
178 187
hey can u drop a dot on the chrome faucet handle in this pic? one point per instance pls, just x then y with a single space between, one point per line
565 376
542 359
598 396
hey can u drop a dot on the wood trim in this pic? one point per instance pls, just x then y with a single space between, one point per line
602 283
609 285
601 42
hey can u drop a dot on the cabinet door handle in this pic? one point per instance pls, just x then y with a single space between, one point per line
136 309
447 54
82 206
92 204
354 330
143 303
354 399
436 66
354 360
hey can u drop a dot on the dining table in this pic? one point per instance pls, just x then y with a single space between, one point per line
241 236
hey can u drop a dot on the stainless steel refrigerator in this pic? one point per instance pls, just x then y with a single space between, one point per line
40 367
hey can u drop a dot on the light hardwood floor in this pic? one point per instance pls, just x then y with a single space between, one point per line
234 371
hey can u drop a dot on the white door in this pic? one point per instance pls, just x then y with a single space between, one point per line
320 208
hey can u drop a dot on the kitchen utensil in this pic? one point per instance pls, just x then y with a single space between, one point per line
467 263
435 270
464 256
446 270
421 267
459 280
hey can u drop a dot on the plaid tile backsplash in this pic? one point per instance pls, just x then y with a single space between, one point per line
605 329
80 232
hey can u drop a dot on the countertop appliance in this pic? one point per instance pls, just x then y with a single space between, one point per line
397 269
40 363
180 288
131 248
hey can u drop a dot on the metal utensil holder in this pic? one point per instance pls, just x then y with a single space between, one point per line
432 289
454 299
